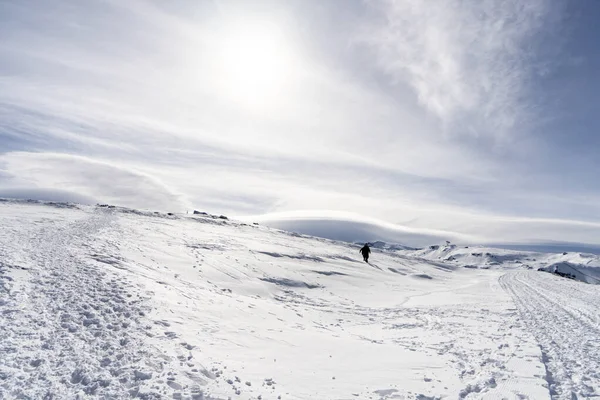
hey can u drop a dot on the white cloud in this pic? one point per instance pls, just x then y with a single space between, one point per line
329 220
460 227
285 199
89 178
104 85
56 195
469 62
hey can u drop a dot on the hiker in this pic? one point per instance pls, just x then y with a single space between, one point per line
365 251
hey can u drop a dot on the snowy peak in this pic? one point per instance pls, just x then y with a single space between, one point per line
582 267
476 256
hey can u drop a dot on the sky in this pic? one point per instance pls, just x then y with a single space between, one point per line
472 120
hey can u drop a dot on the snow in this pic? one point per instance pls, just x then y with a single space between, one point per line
105 302
584 267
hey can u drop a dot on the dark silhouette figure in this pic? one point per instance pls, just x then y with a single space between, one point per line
365 251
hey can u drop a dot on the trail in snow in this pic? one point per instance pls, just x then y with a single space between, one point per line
564 317
77 329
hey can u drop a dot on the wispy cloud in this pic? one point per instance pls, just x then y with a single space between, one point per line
469 62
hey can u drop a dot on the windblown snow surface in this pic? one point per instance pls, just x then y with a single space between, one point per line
110 303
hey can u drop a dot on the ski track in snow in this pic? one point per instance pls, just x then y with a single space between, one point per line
100 303
564 317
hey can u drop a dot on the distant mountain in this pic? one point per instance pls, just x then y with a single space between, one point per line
584 267
387 246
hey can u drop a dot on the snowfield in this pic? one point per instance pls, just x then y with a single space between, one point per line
111 303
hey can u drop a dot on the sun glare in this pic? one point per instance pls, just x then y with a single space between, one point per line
255 64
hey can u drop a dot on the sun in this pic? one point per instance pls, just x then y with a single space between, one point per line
255 63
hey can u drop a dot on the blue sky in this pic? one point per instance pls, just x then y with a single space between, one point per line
474 119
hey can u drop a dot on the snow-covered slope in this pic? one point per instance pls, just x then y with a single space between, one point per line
99 302
582 267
